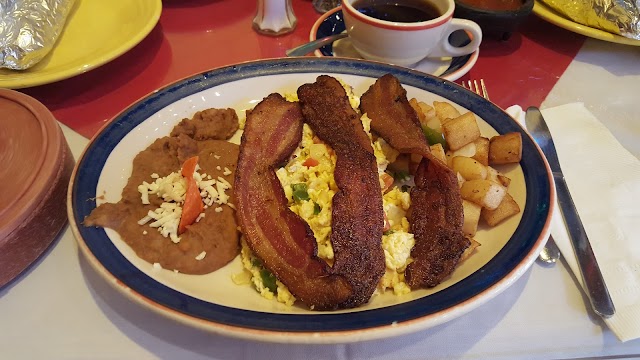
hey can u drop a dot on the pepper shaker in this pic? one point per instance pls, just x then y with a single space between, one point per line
274 17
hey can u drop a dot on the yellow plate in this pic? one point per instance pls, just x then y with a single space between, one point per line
96 32
550 15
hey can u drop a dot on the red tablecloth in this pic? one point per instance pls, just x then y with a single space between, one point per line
197 35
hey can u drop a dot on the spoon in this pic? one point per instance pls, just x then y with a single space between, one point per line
550 253
304 49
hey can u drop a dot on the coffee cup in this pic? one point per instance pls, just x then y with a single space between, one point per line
404 32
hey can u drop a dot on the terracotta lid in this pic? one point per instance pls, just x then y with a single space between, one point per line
34 158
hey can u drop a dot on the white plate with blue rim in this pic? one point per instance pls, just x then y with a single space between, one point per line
450 68
213 302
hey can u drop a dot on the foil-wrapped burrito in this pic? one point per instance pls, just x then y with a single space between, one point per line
620 17
29 29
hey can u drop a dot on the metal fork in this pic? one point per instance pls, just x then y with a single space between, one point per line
550 253
473 86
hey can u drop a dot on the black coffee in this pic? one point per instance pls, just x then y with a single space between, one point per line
405 11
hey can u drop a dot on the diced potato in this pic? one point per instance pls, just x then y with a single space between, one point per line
427 109
438 152
471 217
507 208
468 150
505 181
426 114
449 158
414 104
434 123
492 174
478 149
461 180
469 168
505 149
495 175
482 150
432 120
486 193
445 111
469 251
460 131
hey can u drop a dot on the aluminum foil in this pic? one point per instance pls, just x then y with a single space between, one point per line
29 29
620 17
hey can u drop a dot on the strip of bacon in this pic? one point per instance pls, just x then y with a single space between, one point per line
436 206
357 216
280 238
436 222
393 118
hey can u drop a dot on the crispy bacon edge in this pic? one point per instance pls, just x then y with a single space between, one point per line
436 214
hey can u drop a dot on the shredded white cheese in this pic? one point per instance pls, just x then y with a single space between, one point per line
201 255
172 189
225 182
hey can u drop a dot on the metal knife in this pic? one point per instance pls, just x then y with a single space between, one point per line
591 276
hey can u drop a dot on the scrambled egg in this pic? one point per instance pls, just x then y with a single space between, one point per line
308 183
312 164
264 282
397 242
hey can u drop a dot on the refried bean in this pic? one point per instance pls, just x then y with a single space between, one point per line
216 233
209 124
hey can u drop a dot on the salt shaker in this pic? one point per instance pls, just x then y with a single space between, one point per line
274 17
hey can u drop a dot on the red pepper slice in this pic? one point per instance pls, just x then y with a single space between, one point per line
189 167
310 162
193 205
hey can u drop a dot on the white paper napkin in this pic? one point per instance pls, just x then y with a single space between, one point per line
604 181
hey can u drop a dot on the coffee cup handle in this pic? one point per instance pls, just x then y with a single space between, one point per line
447 49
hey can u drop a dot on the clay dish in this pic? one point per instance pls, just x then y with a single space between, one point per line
494 23
36 167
